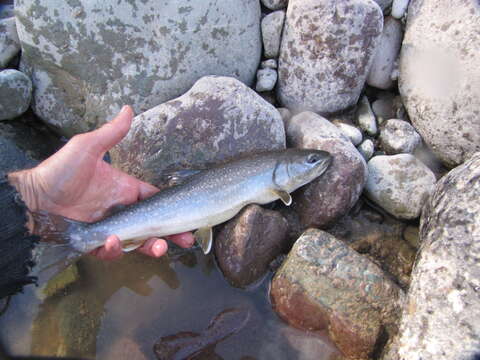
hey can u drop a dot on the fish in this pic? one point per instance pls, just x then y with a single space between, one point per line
205 199
190 345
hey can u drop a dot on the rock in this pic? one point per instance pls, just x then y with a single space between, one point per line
324 285
366 118
88 59
441 317
351 132
219 118
367 149
440 77
266 79
387 52
331 196
399 8
384 4
411 235
383 109
275 4
398 136
59 282
400 184
9 42
272 25
286 115
268 64
15 93
327 49
249 243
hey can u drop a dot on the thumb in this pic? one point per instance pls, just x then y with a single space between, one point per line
112 132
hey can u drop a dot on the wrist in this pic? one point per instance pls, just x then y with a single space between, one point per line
23 182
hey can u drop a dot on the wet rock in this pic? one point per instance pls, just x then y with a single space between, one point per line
88 59
399 8
9 42
266 79
383 109
326 199
366 148
398 136
440 77
59 282
366 117
324 285
387 52
351 132
218 119
441 318
249 243
400 184
275 4
272 25
268 64
15 93
327 49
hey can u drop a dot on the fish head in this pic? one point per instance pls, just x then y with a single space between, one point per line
298 167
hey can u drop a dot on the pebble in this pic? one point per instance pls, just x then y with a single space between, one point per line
366 148
399 8
398 136
366 117
15 93
275 4
9 42
351 132
272 25
383 109
269 64
266 79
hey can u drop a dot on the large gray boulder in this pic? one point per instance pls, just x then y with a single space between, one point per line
326 52
219 118
441 318
440 77
88 58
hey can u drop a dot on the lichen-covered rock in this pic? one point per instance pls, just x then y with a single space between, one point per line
272 25
249 243
15 93
331 196
87 59
9 42
266 79
324 285
398 136
326 52
440 77
275 4
218 119
400 184
441 318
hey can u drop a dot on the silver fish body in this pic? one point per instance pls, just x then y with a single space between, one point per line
206 199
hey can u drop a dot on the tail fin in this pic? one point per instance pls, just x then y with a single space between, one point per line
53 228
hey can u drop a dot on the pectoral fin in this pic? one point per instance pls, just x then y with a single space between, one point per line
284 196
204 237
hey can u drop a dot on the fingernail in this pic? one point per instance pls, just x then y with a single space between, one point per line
124 109
158 249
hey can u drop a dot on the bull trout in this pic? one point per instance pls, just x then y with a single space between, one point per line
204 200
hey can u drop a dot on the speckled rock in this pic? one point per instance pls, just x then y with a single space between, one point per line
9 42
266 79
324 285
275 4
15 93
326 199
327 49
399 8
366 148
87 59
249 243
366 118
387 52
269 64
219 118
351 132
440 77
272 25
400 184
398 136
441 318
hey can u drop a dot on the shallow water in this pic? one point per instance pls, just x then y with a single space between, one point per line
118 310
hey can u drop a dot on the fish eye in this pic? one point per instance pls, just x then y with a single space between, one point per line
312 158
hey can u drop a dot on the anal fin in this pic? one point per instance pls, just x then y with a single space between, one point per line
284 196
204 237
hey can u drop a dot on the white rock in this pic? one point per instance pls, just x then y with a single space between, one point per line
268 64
266 79
386 54
275 4
272 25
398 136
15 93
400 184
9 43
366 148
351 132
366 117
399 8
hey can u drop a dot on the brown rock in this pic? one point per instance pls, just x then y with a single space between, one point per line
249 243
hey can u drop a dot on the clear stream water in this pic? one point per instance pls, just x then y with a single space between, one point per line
118 310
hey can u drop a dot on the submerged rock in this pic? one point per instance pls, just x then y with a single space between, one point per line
441 318
398 136
15 93
326 52
87 59
326 286
9 42
272 25
331 196
218 119
248 243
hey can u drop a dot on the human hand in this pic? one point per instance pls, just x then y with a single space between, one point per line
78 184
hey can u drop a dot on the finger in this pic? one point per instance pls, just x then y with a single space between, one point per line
184 240
154 247
145 190
111 250
112 132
